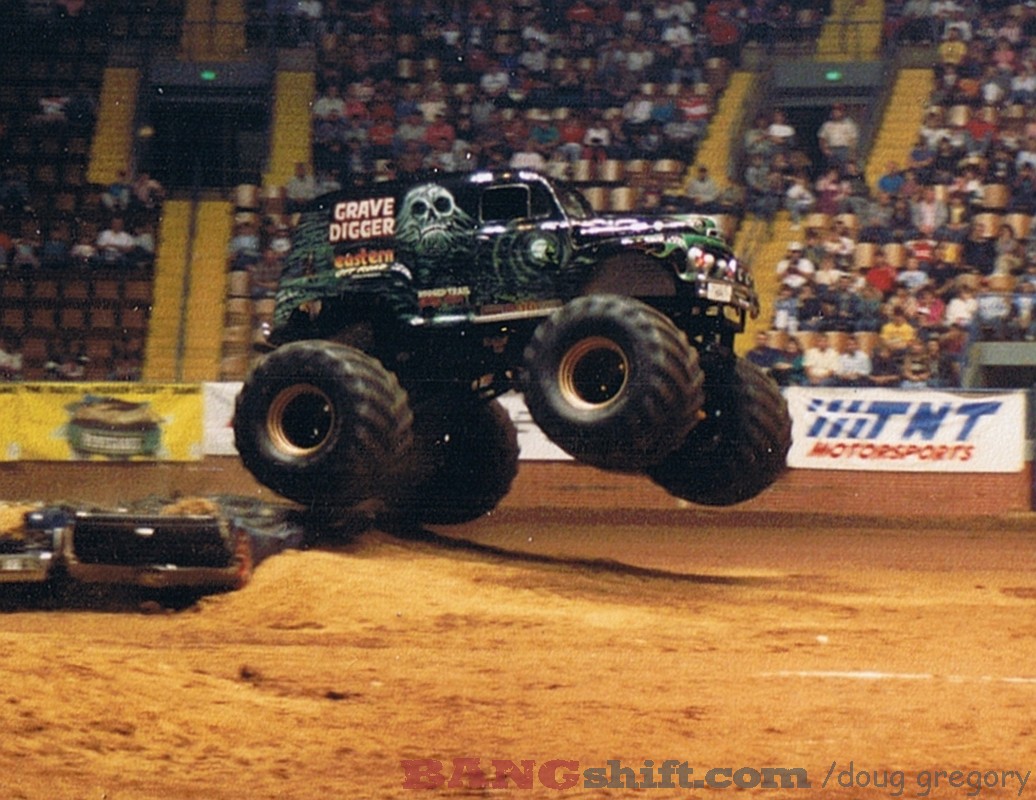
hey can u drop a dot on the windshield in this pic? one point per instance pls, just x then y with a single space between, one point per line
576 206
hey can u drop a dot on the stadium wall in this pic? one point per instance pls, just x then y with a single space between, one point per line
547 484
544 481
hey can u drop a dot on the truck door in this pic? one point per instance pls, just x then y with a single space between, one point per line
524 241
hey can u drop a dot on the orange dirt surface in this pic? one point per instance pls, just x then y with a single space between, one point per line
903 650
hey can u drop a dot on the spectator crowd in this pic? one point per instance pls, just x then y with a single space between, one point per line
889 285
414 85
883 280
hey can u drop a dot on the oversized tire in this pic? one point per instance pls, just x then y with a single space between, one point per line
464 459
740 447
323 424
613 382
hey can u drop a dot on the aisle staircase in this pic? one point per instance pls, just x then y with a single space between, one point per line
290 134
163 351
185 338
716 150
206 292
762 245
112 147
904 114
851 31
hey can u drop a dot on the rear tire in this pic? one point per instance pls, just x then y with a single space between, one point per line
323 424
740 447
465 458
613 382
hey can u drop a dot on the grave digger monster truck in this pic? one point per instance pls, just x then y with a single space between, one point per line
405 309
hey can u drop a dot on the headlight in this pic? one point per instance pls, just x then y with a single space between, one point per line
695 259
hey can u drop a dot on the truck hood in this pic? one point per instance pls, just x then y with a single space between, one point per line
625 225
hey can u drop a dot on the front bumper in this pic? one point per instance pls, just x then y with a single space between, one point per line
158 576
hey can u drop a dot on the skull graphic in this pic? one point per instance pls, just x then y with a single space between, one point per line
430 224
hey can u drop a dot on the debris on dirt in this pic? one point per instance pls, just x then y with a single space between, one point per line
12 520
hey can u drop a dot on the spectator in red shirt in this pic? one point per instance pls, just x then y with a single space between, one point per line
696 110
611 13
721 26
981 130
882 275
581 12
571 132
923 250
383 105
481 11
440 134
6 246
356 109
381 135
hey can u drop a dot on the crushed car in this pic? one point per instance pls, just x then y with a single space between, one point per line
198 544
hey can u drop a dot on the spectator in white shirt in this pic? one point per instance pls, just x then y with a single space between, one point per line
794 269
854 364
301 188
115 243
821 362
330 102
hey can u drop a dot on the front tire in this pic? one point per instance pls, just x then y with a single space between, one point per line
465 458
740 447
323 424
613 382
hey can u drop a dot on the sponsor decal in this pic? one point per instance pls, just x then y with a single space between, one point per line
447 296
355 220
364 260
880 429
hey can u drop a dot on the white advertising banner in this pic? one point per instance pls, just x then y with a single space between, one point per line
906 430
218 418
532 441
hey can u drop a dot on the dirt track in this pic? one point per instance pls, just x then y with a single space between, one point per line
546 635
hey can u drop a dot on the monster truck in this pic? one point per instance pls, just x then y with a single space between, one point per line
406 308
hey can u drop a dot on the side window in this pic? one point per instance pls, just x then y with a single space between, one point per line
543 204
504 203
